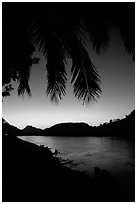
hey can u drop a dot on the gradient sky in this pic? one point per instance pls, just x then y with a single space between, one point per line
117 71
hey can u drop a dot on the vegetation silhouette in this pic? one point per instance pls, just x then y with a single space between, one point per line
59 31
122 128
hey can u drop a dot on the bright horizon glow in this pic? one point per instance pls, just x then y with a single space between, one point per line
23 121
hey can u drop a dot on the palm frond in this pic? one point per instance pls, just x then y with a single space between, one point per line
85 79
56 72
39 36
128 36
99 34
125 22
23 78
24 64
96 25
57 32
22 88
50 44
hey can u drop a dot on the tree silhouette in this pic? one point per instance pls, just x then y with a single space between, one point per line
59 30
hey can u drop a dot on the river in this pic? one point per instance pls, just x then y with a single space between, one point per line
113 154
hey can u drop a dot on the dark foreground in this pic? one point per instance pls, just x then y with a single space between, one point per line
31 173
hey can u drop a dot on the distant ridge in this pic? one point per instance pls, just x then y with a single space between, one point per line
30 130
118 128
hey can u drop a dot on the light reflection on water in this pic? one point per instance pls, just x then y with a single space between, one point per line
113 154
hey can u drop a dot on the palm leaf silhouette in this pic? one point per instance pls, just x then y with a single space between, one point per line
56 72
85 79
50 44
57 30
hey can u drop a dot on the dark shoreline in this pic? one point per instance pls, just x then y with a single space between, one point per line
120 128
32 173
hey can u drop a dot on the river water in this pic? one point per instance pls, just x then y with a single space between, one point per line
113 154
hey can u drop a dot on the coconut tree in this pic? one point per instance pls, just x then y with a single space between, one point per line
59 30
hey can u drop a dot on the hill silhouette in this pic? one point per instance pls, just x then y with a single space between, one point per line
30 130
117 128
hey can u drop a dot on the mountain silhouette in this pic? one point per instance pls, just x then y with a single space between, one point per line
30 130
118 128
67 129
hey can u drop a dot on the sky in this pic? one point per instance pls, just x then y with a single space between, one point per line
117 72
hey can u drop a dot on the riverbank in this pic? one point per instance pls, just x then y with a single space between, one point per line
32 173
120 128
